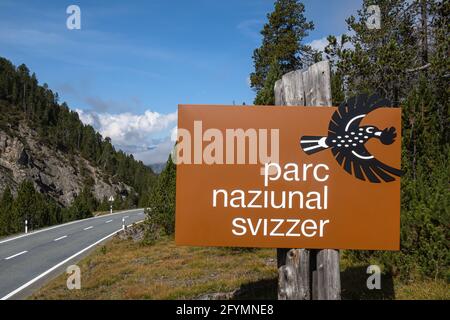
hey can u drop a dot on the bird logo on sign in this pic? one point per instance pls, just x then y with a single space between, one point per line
347 139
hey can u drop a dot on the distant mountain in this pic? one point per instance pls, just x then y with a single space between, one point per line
45 142
157 167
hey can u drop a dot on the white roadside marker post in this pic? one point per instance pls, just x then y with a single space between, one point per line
123 224
26 226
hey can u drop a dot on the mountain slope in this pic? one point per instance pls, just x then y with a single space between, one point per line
45 142
24 157
158 167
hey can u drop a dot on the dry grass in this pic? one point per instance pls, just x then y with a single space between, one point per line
123 269
354 279
423 290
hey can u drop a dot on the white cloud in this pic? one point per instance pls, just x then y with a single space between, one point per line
319 44
174 134
159 154
148 136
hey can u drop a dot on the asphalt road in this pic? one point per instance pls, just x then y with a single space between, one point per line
26 260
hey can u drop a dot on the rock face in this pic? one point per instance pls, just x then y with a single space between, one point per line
135 232
61 176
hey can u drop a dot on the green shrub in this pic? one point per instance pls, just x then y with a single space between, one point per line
160 209
425 195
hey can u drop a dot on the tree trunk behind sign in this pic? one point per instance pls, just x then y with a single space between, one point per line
307 274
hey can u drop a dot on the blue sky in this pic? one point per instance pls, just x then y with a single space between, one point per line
133 62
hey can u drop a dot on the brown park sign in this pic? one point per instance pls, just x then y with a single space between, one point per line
289 177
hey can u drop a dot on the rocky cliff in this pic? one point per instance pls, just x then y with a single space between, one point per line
24 157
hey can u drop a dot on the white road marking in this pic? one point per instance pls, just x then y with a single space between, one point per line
15 255
108 221
64 224
60 238
29 283
125 217
90 227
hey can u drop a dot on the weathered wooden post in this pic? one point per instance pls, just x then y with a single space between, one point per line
307 274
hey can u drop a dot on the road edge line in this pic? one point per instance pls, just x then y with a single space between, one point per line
29 283
64 224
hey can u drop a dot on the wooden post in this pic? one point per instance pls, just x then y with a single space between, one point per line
328 275
293 279
307 274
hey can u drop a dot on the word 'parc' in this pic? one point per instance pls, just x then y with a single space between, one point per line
246 200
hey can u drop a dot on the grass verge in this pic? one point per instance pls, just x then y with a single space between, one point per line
124 269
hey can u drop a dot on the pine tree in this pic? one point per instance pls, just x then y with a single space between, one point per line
266 95
161 205
379 58
407 61
282 49
6 214
104 205
83 206
25 207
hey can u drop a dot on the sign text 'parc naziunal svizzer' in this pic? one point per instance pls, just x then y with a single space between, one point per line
293 177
